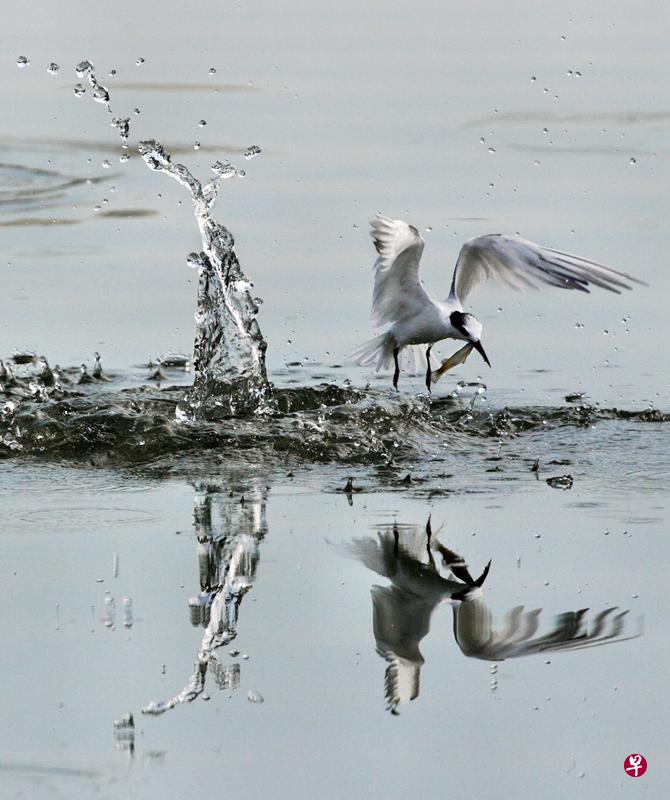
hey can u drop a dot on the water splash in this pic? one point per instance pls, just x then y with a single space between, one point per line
229 351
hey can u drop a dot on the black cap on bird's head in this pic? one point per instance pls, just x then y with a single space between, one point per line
470 329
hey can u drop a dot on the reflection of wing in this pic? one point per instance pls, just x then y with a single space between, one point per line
398 292
475 635
519 264
400 620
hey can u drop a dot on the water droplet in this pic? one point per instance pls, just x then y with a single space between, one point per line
83 68
195 260
136 111
224 169
139 61
254 697
579 325
106 164
100 94
124 157
492 149
202 123
632 160
212 70
22 62
533 78
252 152
538 535
122 124
79 90
112 73
536 163
53 68
196 145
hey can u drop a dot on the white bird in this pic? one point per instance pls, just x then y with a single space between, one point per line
417 320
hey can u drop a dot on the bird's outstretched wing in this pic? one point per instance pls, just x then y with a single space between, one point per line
398 292
520 264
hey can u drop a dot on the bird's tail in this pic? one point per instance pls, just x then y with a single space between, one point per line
377 352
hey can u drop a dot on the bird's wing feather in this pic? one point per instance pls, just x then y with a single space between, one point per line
520 264
398 292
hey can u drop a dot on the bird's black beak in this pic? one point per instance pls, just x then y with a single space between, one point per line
481 351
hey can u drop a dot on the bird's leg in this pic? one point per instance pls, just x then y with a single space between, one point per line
396 374
396 538
428 367
429 539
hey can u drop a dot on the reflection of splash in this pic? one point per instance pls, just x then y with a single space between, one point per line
229 530
402 612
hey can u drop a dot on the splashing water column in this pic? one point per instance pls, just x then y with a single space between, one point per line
229 349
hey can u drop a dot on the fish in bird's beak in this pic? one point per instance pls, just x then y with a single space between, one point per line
459 357
478 347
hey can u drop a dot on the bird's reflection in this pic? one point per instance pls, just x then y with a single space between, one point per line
402 611
229 528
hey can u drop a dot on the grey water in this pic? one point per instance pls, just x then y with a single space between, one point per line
232 562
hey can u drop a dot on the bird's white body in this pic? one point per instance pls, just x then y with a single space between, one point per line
416 320
431 325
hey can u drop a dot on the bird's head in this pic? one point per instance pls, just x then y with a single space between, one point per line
469 328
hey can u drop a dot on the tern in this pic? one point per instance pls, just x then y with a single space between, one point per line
417 320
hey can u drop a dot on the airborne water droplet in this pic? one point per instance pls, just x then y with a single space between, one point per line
492 149
100 94
224 169
22 62
53 68
140 61
252 152
79 90
254 697
632 160
212 70
202 123
196 145
124 157
83 67
106 164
